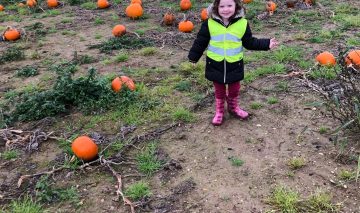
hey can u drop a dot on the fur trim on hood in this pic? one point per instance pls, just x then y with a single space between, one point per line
240 13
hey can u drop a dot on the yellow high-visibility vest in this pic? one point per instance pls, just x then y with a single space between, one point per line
225 43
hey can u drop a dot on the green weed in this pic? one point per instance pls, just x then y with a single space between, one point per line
323 130
89 5
27 71
147 161
262 71
182 114
296 163
123 42
236 161
346 175
272 100
324 72
147 51
25 205
284 199
256 105
10 154
137 191
12 54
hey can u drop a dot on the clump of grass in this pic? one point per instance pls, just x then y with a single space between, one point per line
256 105
272 100
183 86
147 51
123 42
25 205
346 175
27 71
323 130
10 154
182 114
296 163
284 199
89 5
147 161
236 161
138 191
324 72
262 71
121 57
320 202
11 54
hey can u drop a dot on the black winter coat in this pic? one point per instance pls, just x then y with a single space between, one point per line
215 70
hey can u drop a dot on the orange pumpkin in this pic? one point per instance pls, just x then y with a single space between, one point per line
116 84
247 1
1 7
308 2
204 14
129 83
136 2
52 3
353 58
84 148
11 34
185 4
270 6
326 59
186 26
134 11
31 3
119 30
169 18
102 4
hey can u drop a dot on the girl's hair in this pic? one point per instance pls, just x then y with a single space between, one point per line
215 9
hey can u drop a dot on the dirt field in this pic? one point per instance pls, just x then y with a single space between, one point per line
231 168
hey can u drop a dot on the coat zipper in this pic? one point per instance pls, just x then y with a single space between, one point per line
224 59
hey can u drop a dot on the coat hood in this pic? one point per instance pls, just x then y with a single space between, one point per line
239 14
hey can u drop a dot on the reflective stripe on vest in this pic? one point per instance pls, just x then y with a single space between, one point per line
225 43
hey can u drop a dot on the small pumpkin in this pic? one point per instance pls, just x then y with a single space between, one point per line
247 1
84 148
11 34
326 59
353 58
52 3
186 26
204 14
102 4
136 2
169 18
31 3
129 83
134 11
119 30
185 4
1 7
309 2
270 6
116 84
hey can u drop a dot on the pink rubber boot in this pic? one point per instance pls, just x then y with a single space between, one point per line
232 101
219 112
220 95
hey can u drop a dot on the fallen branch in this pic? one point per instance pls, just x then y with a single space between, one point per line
23 177
119 188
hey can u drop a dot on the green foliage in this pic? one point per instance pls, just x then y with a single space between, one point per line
284 200
47 194
11 54
138 191
265 70
182 114
27 71
296 163
38 29
272 100
183 86
236 161
25 205
324 72
76 2
10 154
147 161
320 202
147 51
90 94
123 42
256 105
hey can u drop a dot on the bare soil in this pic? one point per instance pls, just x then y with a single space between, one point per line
198 176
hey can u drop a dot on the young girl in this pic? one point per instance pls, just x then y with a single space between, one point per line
225 35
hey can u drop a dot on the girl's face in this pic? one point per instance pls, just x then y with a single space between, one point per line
226 9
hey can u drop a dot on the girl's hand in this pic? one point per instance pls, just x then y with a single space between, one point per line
273 43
